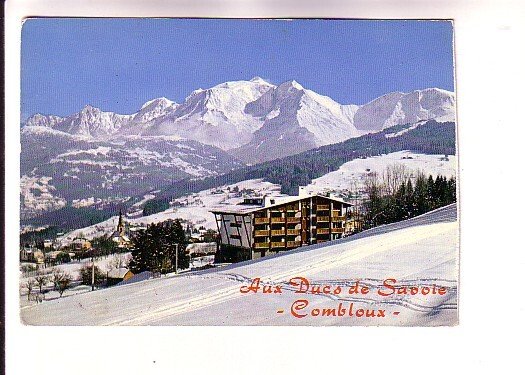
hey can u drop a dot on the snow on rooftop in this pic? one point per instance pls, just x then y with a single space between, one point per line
117 273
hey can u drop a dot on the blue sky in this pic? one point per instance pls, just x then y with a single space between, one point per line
118 64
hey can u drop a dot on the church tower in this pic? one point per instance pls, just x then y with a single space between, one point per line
121 230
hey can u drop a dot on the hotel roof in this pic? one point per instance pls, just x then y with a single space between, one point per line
245 209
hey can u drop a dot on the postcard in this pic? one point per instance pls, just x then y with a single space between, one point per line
238 172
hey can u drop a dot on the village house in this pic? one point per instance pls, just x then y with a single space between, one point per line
32 255
261 226
118 275
80 244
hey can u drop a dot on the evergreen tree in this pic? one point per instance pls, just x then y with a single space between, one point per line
401 208
420 195
409 201
155 249
430 193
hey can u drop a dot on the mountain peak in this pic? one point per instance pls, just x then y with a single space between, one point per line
258 79
39 119
292 84
163 101
88 108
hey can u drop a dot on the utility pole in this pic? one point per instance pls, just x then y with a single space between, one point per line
92 272
176 258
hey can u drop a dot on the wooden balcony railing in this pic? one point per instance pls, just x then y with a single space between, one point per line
293 232
262 220
278 232
277 220
338 230
293 220
323 218
338 218
262 245
321 207
278 244
323 231
259 233
293 243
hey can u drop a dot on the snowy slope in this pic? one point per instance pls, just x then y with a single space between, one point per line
418 252
351 175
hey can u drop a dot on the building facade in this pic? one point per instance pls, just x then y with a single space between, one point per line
265 226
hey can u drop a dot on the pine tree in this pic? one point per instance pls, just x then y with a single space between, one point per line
400 202
420 195
138 262
409 201
155 249
430 193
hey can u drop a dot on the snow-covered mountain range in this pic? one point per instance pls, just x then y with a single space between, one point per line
258 117
95 154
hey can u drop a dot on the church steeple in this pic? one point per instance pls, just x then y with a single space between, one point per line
120 226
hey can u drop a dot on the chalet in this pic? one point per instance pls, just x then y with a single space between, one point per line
31 255
80 244
118 275
263 226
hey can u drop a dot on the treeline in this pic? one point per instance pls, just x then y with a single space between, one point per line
388 203
38 236
67 218
299 170
155 205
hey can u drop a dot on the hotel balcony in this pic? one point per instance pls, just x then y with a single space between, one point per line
277 220
323 207
323 231
338 218
338 230
259 233
323 219
262 245
262 220
293 232
279 232
293 243
278 244
293 220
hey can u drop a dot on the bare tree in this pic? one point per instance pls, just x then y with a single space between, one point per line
29 285
57 276
64 283
118 261
41 280
395 175
372 185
